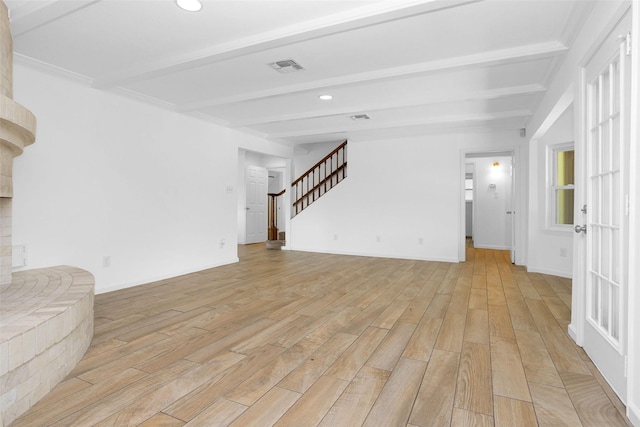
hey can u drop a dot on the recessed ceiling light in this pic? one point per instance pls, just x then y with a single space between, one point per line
189 5
325 97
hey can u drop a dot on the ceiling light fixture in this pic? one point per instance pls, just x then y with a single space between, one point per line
189 5
326 97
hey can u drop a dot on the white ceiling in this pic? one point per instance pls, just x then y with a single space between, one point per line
412 66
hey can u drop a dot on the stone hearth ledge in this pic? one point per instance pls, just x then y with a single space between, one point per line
46 326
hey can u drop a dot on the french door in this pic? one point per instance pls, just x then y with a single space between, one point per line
607 80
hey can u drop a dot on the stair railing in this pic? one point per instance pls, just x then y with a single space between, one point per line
272 214
320 178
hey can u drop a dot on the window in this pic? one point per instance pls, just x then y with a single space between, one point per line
562 185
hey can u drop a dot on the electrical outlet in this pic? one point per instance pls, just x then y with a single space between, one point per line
378 239
563 252
222 242
106 261
420 241
335 237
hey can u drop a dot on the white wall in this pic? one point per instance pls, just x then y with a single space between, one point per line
113 177
492 226
406 193
307 155
550 251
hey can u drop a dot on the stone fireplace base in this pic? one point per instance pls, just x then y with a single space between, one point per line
46 320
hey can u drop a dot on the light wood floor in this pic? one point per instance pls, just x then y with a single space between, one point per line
304 339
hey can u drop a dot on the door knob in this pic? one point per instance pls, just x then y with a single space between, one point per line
580 229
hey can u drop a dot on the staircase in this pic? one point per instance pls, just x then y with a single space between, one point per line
313 184
319 179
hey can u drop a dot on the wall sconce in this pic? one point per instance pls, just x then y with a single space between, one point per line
496 164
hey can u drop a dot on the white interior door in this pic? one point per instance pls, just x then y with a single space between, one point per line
256 207
607 79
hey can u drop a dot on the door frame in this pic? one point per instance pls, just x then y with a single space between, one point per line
516 198
578 323
633 336
241 191
578 303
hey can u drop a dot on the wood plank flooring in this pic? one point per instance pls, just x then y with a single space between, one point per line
303 339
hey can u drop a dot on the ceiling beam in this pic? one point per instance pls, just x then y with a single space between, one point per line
491 58
29 16
361 17
506 92
427 121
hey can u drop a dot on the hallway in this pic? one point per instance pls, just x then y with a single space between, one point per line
305 339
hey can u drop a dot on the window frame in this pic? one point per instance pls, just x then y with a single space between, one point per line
553 188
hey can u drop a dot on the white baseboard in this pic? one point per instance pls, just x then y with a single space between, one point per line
573 333
633 413
164 277
374 255
550 272
497 248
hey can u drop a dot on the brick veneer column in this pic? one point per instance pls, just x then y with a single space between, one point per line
17 130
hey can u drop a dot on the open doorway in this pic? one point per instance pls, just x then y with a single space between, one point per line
488 213
259 175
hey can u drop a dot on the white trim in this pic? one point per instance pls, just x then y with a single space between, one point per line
633 331
548 271
578 296
51 69
373 106
166 276
633 413
371 255
565 101
497 248
454 118
571 330
551 189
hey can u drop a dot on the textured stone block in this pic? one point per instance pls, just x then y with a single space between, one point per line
42 340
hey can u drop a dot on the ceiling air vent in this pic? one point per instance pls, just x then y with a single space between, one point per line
360 117
286 66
